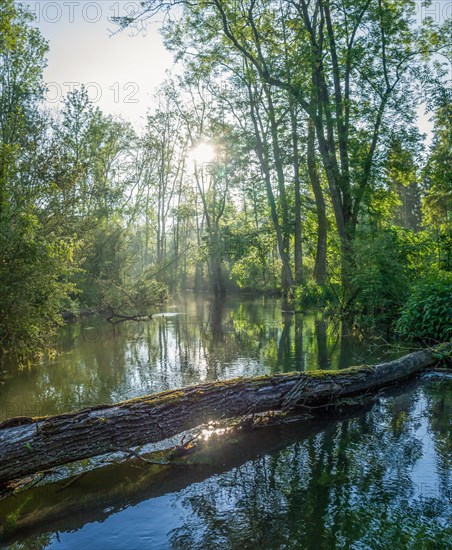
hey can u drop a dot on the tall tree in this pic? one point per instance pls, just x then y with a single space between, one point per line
35 265
351 63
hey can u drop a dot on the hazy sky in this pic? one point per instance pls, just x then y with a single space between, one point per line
122 71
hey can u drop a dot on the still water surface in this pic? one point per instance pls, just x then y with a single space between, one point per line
190 341
378 478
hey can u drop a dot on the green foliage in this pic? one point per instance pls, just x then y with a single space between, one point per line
147 291
311 294
35 271
22 51
427 314
254 267
36 263
136 295
380 277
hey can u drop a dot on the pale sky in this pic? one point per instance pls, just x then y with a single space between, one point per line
121 71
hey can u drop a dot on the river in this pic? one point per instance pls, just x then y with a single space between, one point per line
370 478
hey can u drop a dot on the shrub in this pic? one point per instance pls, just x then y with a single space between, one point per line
136 296
427 314
313 295
380 278
35 272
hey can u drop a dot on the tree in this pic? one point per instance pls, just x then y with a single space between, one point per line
22 60
437 203
348 66
35 264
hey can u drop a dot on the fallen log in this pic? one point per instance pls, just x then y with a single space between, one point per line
122 318
110 488
30 445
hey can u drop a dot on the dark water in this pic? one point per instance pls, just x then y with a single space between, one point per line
378 477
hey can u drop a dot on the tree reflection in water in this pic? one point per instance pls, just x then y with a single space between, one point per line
352 486
196 340
373 478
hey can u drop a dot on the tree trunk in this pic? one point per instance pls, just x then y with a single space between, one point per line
30 445
320 256
287 280
216 277
104 490
298 253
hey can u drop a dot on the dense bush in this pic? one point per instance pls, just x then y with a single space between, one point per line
35 272
148 292
427 314
253 266
136 296
311 294
380 277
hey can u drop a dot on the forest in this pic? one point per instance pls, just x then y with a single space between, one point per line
282 157
227 324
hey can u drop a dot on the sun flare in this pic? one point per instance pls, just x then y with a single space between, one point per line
202 153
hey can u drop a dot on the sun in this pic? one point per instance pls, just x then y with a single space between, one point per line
202 153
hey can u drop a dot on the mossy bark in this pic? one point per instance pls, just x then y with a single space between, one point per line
33 445
104 491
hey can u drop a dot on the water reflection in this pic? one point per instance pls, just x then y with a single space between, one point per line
375 479
351 486
192 340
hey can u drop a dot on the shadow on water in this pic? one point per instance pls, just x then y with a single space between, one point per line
379 477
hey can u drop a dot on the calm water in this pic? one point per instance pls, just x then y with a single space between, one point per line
189 341
373 478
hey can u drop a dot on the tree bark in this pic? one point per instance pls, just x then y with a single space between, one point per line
320 256
287 281
30 445
298 253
